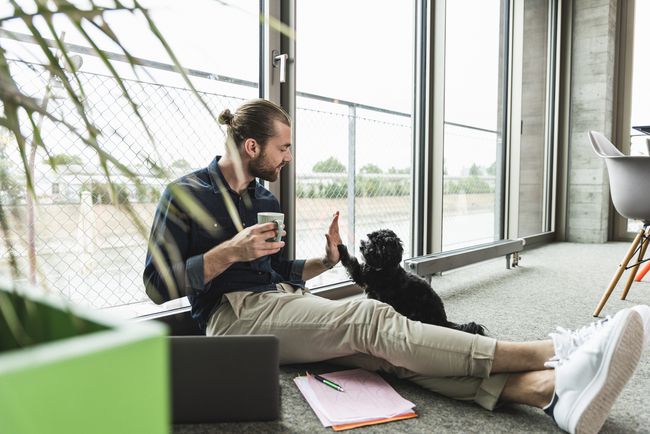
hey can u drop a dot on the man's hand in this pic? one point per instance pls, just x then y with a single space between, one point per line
333 240
247 245
250 243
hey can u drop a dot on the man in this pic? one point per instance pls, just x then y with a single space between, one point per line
237 283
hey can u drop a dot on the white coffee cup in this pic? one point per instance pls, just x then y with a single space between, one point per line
274 217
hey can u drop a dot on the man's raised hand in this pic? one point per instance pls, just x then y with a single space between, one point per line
333 239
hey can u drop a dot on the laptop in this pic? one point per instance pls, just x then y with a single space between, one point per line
645 129
224 378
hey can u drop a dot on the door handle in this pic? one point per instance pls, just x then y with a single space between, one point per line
280 61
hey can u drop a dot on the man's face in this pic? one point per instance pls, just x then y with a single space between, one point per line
274 155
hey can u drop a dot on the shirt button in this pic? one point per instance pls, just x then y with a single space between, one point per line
259 272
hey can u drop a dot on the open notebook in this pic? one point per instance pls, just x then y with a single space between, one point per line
367 399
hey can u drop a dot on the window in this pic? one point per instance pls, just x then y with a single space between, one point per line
353 122
474 73
86 246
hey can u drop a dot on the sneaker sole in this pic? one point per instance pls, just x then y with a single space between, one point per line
621 358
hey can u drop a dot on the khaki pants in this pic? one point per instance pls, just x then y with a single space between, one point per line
367 334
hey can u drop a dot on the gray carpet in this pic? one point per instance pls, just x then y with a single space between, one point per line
558 284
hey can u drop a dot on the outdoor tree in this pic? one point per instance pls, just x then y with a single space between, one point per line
475 170
492 169
370 168
63 160
395 170
331 165
11 186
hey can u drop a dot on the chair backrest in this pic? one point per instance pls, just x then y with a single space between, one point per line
629 179
602 146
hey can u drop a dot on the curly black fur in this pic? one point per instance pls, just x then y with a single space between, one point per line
383 278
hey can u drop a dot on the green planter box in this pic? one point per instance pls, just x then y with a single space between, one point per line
86 374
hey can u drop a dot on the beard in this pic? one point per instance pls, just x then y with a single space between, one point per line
260 168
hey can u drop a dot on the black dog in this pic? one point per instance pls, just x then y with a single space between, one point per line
384 279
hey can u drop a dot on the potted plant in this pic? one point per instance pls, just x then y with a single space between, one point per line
64 369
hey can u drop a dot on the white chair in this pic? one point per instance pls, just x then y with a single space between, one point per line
629 183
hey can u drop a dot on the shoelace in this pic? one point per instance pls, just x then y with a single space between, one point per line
567 341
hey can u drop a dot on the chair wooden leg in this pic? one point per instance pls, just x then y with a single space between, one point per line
619 272
633 270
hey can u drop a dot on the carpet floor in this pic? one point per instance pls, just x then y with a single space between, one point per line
557 284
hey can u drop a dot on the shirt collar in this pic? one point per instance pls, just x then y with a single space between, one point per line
216 175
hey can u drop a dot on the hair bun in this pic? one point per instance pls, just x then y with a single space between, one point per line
225 118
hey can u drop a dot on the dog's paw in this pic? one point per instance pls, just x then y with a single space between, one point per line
343 253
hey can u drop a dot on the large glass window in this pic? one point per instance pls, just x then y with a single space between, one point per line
353 122
84 244
473 121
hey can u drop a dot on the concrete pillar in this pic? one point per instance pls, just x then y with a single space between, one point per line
592 108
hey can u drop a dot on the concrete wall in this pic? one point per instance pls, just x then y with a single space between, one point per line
592 105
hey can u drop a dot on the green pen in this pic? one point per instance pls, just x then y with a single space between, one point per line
327 382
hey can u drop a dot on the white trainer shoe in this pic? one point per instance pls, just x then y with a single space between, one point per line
588 382
567 341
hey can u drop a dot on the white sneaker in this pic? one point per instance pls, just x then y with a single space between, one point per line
588 382
566 341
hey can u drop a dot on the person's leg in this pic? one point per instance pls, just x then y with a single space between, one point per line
534 388
521 356
485 392
311 328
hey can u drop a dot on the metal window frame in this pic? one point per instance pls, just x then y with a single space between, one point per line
428 135
283 94
622 121
563 107
552 107
436 180
422 163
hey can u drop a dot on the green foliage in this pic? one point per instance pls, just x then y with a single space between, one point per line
181 164
101 192
365 186
63 160
468 185
394 170
331 165
492 170
11 188
370 168
147 194
475 170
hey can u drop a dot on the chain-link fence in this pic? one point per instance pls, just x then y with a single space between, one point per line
358 163
349 157
87 247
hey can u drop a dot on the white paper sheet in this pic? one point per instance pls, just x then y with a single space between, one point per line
367 397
